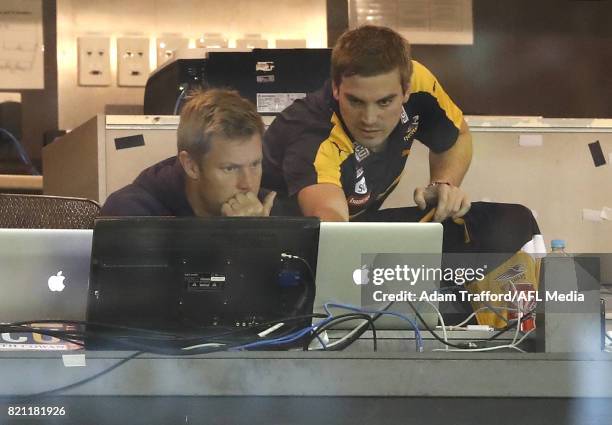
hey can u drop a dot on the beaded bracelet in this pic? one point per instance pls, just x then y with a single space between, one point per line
438 183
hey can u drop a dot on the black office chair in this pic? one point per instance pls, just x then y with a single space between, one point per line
46 212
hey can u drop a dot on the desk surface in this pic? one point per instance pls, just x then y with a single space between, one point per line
15 182
433 374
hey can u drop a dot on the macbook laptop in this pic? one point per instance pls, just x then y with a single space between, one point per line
44 274
358 264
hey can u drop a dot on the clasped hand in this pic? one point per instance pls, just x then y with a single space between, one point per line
247 204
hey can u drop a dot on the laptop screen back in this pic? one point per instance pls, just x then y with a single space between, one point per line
44 274
350 252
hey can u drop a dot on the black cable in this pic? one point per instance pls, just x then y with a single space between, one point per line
275 334
608 336
312 275
84 381
363 327
491 307
133 344
462 346
507 328
266 324
179 99
135 341
116 365
58 334
309 284
129 342
98 324
431 331
354 338
341 319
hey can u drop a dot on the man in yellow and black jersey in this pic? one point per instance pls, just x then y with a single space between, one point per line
341 150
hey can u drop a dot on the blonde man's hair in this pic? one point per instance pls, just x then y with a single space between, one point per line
215 113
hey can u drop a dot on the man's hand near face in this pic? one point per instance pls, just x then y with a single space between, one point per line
248 205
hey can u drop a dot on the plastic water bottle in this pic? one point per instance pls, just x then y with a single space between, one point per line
557 246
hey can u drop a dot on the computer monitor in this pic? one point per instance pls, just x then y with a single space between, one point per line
188 275
270 78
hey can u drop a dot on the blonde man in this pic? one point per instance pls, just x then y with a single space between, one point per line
217 171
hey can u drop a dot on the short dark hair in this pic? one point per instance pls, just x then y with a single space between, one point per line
215 113
371 50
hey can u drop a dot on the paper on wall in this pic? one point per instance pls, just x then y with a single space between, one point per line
531 140
591 215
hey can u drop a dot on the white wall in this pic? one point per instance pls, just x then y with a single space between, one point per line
273 19
556 180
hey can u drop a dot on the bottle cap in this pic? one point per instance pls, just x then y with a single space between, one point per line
557 243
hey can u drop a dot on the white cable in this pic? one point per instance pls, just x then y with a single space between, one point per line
445 337
497 347
519 314
518 327
347 336
352 332
320 342
519 317
206 345
271 329
480 309
470 317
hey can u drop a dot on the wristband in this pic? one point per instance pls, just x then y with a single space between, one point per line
438 183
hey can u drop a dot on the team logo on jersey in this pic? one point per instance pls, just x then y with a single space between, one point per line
360 187
412 129
513 273
361 152
404 116
358 201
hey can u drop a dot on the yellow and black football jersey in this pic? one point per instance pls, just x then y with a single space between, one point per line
308 143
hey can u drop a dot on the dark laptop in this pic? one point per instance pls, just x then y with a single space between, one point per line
189 276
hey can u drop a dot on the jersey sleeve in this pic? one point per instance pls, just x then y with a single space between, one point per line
439 117
312 159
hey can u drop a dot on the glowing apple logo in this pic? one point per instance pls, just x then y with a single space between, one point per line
56 282
360 276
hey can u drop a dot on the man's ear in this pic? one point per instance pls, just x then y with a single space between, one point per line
189 165
335 91
406 94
